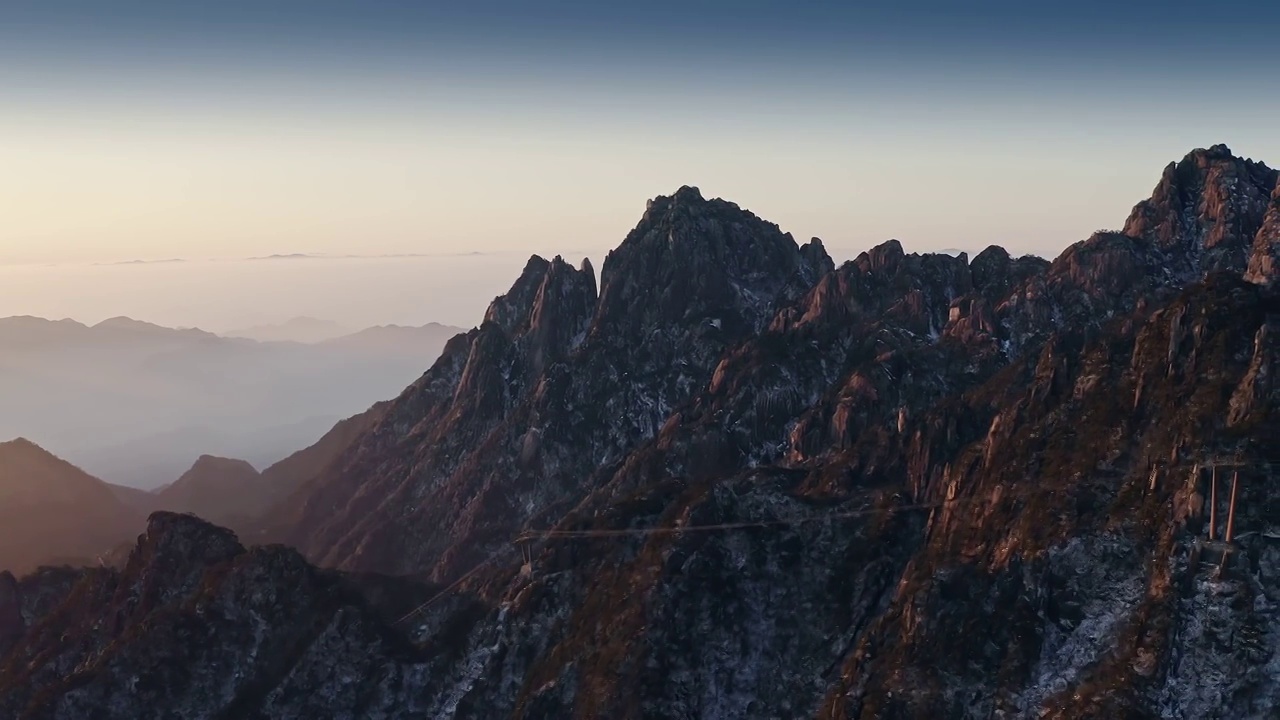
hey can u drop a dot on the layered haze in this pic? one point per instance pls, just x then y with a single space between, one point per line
246 297
136 404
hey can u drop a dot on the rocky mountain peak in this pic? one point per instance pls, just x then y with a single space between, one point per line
181 538
691 260
510 309
1219 151
990 260
995 273
557 383
816 257
1206 210
683 211
541 319
560 315
686 195
881 258
172 554
546 293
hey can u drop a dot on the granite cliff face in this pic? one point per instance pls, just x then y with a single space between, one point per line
913 486
1264 263
515 419
1206 210
197 626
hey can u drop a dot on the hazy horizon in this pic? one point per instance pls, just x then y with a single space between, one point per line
148 131
226 295
223 294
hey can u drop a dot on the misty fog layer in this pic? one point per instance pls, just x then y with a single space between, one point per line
136 404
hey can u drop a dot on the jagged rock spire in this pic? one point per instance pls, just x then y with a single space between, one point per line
1206 209
815 254
692 259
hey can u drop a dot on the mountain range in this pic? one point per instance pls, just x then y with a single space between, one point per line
135 403
298 329
54 513
734 480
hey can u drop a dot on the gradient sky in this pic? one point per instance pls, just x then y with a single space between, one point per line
159 129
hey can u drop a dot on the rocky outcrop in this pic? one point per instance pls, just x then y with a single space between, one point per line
197 626
1076 514
1255 396
1264 262
816 257
11 621
1206 210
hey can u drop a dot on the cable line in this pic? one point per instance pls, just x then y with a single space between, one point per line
528 536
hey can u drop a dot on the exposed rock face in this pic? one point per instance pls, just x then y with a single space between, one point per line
1206 209
518 415
816 257
912 486
11 621
1264 263
1073 516
196 626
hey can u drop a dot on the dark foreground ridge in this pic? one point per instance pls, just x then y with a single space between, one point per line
912 486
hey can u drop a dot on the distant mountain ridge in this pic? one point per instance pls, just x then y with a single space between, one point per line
52 511
302 329
134 403
312 331
298 329
27 332
225 491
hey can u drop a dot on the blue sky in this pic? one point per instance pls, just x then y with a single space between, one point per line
156 129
